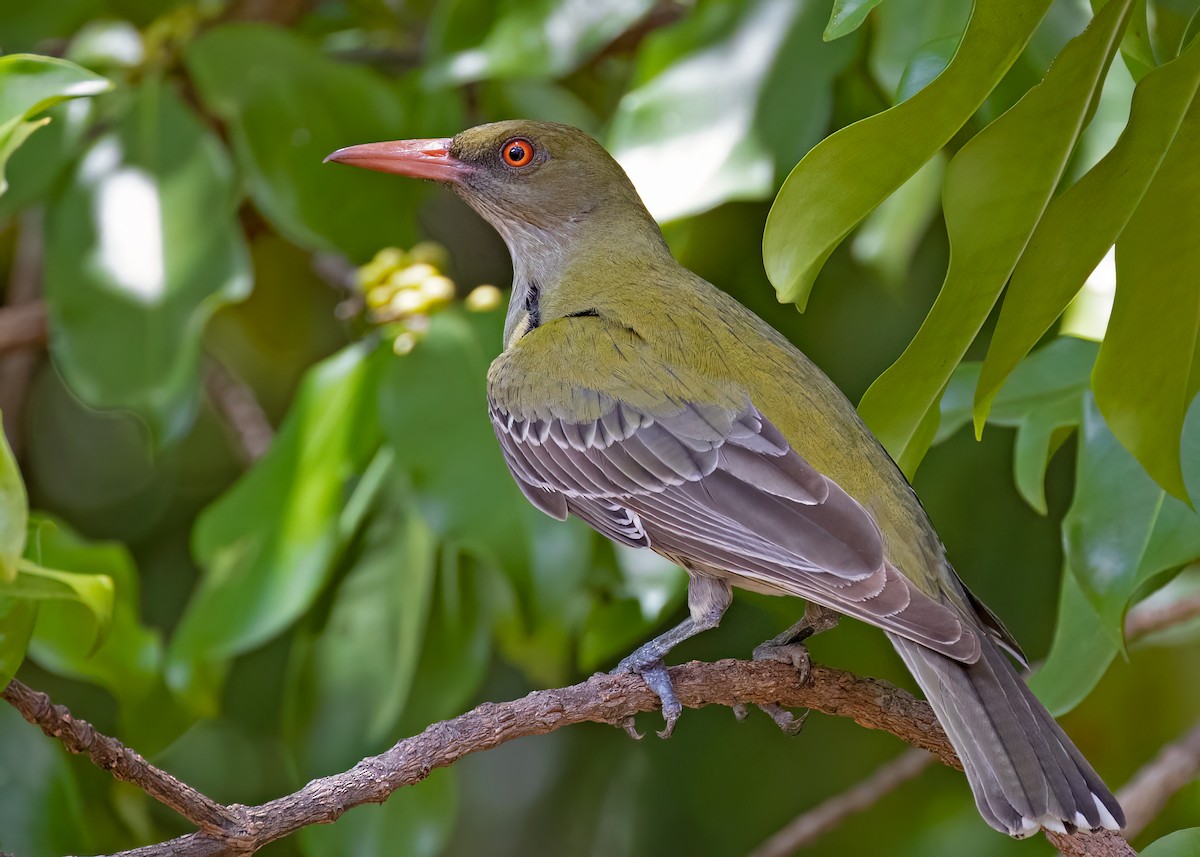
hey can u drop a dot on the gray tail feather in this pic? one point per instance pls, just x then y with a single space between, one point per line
1023 769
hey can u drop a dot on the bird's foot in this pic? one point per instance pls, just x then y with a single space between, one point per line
654 673
794 653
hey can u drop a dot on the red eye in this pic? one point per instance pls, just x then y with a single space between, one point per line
517 152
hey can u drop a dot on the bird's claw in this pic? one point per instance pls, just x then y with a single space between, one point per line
659 681
794 653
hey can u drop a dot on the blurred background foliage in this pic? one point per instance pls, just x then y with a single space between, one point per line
272 531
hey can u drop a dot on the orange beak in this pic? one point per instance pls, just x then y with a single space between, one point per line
419 159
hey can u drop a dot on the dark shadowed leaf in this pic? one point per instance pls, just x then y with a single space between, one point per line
848 174
1181 843
996 189
1082 223
1079 655
286 107
269 544
142 248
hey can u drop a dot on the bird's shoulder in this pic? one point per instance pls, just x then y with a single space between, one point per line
575 367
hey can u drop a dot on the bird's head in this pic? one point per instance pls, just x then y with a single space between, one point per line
535 182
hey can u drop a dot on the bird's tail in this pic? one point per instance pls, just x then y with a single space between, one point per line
1023 769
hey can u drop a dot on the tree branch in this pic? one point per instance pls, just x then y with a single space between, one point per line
79 736
1146 619
810 826
601 699
22 326
1144 796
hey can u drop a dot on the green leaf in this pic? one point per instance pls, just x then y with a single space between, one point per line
129 660
269 544
1122 531
714 113
530 38
846 17
848 174
14 513
1082 223
286 106
93 591
1042 401
29 85
433 407
415 822
17 616
1146 373
889 237
1079 655
369 646
1181 843
996 189
142 247
41 812
1135 47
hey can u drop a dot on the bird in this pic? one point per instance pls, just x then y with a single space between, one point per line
635 395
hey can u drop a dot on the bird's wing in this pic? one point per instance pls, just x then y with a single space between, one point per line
724 489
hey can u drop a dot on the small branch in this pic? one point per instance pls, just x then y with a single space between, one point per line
601 699
1146 619
827 815
23 326
1144 796
79 736
240 410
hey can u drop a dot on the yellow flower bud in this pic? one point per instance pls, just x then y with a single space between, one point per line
407 301
484 299
379 296
438 289
430 253
404 343
411 276
390 258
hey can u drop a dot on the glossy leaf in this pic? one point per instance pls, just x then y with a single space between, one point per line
996 189
889 237
17 616
1146 374
433 410
369 646
41 812
1082 223
286 106
531 38
14 512
1181 843
846 17
1079 655
848 174
715 110
128 661
93 591
142 248
261 573
1121 531
31 84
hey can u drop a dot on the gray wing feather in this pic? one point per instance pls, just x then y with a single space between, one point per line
727 491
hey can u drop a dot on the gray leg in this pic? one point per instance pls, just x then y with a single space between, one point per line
789 648
708 598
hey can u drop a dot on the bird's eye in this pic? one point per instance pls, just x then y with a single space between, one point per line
517 152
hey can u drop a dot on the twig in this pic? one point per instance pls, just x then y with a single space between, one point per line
1144 796
1146 619
236 404
79 736
603 699
825 816
23 326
